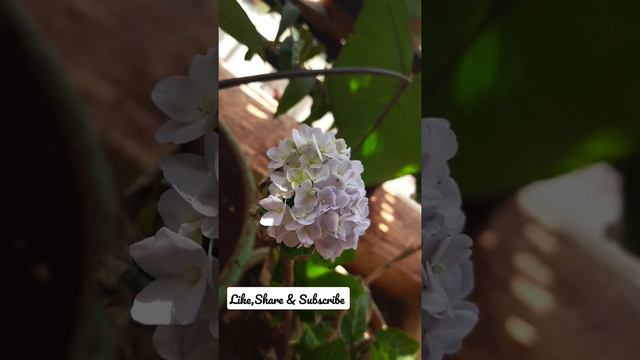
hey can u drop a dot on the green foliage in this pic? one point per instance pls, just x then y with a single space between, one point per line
394 344
235 22
346 257
379 116
318 333
320 104
313 335
354 323
529 101
334 349
295 91
290 14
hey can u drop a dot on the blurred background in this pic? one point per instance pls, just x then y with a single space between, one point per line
81 144
543 96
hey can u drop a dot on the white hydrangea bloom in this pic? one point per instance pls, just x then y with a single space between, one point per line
189 102
191 205
183 274
317 196
448 274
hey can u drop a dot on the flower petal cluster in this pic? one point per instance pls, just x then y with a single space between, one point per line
182 297
448 274
317 196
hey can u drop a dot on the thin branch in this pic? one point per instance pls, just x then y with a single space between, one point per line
396 97
258 256
387 264
305 73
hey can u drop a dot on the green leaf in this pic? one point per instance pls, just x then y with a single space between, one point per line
306 270
346 257
285 54
354 323
382 109
295 91
290 14
235 22
313 335
394 344
335 279
334 350
536 103
320 104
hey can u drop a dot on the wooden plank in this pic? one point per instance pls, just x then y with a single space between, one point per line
544 295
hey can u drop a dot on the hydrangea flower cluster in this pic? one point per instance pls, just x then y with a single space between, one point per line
317 196
447 277
182 298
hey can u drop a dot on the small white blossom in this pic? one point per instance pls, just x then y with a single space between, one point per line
189 102
197 341
317 196
182 273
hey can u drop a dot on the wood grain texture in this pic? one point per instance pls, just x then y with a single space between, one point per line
115 51
543 295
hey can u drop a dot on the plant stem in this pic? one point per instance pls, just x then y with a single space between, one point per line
257 256
287 269
304 73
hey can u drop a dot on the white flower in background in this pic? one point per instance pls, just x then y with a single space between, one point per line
317 196
189 102
448 274
182 298
444 334
183 274
197 341
191 205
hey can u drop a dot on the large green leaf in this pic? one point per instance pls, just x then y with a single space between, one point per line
533 88
235 22
290 14
354 323
381 109
312 336
346 257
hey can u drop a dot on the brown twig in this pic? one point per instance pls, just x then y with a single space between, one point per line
287 270
267 267
387 264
